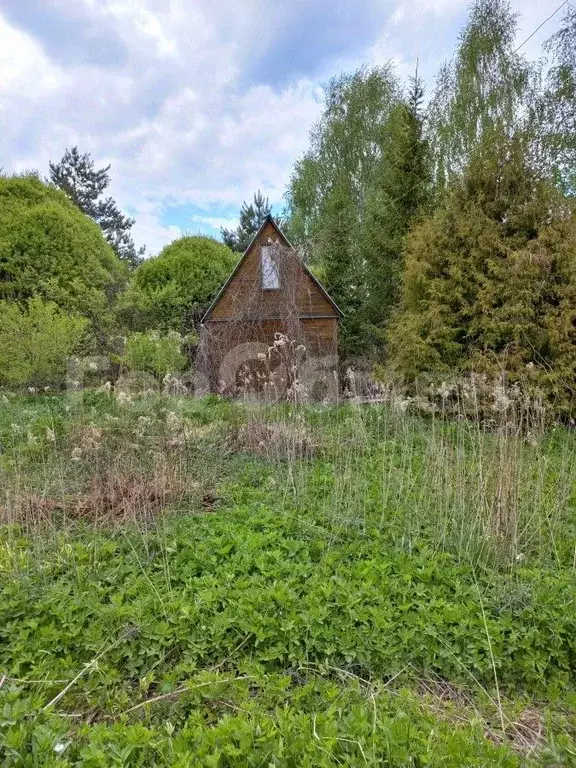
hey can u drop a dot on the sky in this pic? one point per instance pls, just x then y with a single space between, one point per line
196 104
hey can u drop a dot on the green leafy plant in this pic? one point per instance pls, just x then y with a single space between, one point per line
171 290
35 341
155 353
50 249
170 593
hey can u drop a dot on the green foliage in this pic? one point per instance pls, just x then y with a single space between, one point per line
35 342
300 620
329 186
479 95
490 280
489 276
172 290
48 248
399 192
84 184
266 720
155 353
556 107
251 219
165 610
377 163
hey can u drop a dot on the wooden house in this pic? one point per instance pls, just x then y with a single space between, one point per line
271 317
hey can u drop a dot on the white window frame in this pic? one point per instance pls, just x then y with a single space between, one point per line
269 269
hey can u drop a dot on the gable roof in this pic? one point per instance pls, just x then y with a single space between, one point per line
270 220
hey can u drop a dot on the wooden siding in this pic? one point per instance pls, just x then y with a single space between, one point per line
226 347
244 296
241 325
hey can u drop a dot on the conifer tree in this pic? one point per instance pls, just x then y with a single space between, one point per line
251 219
328 191
490 277
398 193
77 176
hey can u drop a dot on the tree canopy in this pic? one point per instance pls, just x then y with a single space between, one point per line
251 219
556 106
171 290
399 192
353 195
490 277
481 94
49 248
76 175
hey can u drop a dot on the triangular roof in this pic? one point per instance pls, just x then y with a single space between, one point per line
270 220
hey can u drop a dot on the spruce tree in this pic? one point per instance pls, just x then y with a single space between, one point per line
398 193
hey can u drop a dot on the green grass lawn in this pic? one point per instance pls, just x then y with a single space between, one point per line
205 583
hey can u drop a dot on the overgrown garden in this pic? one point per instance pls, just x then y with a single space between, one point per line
388 579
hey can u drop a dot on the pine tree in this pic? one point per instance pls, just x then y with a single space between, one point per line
251 219
85 184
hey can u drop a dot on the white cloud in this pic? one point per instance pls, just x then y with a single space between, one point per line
169 107
19 57
170 118
215 222
155 235
149 228
406 10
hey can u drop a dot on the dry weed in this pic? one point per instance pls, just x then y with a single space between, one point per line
274 440
133 496
526 733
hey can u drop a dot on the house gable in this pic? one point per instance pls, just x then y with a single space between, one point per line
243 295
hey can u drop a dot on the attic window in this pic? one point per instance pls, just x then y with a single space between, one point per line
270 272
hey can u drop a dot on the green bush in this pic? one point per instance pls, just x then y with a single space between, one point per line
35 342
155 353
49 248
171 290
490 280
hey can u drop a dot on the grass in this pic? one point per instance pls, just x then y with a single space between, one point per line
200 582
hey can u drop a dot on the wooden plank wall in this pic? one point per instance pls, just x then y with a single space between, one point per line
245 319
244 297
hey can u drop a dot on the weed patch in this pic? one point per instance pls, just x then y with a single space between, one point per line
336 607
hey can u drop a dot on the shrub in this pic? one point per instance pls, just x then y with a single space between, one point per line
171 290
490 280
49 248
155 353
35 342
